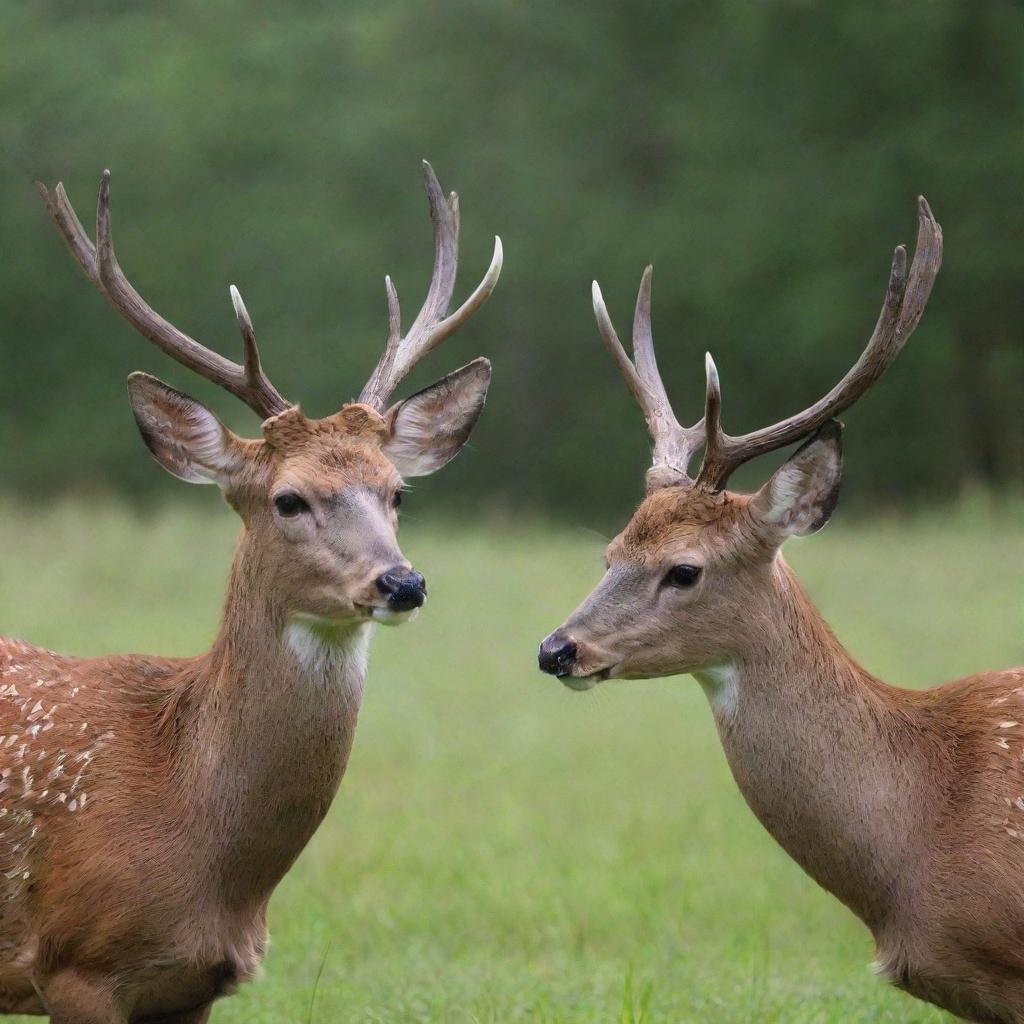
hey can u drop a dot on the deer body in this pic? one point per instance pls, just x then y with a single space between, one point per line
149 806
255 739
818 749
907 805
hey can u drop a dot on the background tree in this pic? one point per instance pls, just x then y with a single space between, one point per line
765 156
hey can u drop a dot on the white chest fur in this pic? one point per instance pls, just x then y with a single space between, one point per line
330 658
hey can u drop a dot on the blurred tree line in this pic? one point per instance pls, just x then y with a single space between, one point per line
765 156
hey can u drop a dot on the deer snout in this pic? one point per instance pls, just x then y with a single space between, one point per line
405 589
557 654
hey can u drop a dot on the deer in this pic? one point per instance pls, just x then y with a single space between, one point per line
907 805
149 806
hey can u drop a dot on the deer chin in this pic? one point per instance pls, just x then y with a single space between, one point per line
333 628
389 617
588 681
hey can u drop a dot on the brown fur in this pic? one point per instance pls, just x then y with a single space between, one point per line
907 805
149 806
205 777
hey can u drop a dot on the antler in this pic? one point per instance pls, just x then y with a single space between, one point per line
674 445
431 325
905 300
246 380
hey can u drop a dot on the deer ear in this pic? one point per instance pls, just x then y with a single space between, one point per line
426 430
800 498
183 435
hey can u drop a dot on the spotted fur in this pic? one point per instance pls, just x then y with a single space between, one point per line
149 806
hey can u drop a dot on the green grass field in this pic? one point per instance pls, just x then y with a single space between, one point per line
503 849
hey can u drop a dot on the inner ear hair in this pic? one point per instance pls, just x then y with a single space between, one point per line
802 494
185 437
428 429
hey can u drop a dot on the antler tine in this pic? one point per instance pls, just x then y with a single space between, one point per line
250 353
905 299
247 381
431 325
444 213
712 410
643 341
673 444
70 227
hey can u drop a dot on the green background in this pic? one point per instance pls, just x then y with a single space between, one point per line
765 156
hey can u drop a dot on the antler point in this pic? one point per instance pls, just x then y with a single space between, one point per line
236 301
710 369
899 265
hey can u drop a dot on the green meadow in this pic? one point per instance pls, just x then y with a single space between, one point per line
503 849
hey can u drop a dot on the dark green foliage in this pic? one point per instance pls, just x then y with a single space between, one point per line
764 155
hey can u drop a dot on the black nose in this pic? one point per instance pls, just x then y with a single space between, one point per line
405 589
557 654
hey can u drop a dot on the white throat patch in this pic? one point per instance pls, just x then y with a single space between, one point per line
330 655
721 684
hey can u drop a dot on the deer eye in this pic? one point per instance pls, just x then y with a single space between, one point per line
289 504
397 499
683 575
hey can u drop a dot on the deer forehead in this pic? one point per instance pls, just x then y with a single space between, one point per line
343 448
675 518
292 430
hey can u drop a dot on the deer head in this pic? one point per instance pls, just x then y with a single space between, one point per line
318 497
689 581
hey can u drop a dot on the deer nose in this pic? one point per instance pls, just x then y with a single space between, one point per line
405 589
557 654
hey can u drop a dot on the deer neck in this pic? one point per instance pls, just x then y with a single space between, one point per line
823 753
277 702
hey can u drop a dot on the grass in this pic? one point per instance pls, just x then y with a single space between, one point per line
502 849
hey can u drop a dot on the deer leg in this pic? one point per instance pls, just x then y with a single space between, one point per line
74 997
